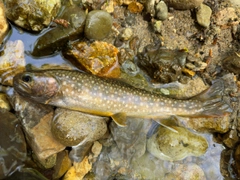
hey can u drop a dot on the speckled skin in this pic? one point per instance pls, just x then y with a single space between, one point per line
105 97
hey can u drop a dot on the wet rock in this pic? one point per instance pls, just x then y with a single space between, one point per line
210 124
232 63
169 145
36 121
46 163
12 144
126 34
70 25
151 171
237 159
203 15
27 174
4 103
98 25
63 163
131 140
130 68
32 15
135 7
150 7
183 4
4 24
12 61
73 127
231 138
157 26
162 65
161 11
99 58
186 171
78 170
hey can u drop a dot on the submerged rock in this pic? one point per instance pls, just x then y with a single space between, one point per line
70 25
36 121
4 28
12 61
98 25
32 15
13 150
27 174
161 64
169 145
73 127
4 103
183 4
186 171
99 58
131 140
232 63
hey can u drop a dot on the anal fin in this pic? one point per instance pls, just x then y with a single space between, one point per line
119 119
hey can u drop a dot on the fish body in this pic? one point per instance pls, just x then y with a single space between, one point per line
106 97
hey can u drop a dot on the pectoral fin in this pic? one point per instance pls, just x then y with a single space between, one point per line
119 119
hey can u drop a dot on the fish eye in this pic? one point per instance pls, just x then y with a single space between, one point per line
26 78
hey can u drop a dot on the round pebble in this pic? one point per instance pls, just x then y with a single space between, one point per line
183 4
161 11
98 25
203 15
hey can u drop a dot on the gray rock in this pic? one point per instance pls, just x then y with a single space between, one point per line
131 140
183 4
203 15
32 15
73 127
13 150
98 25
161 11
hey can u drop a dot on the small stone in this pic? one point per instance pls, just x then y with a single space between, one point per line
126 34
231 138
78 170
158 26
135 7
63 163
161 11
98 25
203 15
4 103
96 148
183 4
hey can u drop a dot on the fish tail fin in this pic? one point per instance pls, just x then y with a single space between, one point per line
213 102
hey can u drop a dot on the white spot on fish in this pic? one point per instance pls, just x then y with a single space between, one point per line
64 82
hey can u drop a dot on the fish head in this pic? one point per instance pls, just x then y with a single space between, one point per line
39 86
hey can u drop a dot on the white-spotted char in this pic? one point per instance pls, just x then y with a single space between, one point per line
106 97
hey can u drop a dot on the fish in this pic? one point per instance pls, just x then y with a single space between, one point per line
75 90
